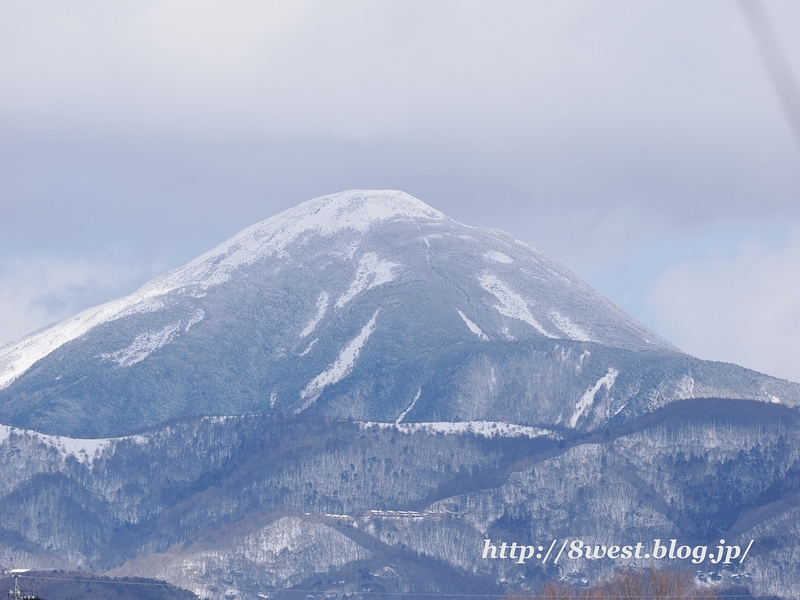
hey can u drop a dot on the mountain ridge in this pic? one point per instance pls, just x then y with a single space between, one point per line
353 305
262 503
242 248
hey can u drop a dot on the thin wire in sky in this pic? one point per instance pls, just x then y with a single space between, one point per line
775 62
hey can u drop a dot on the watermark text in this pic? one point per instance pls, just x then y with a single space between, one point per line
574 549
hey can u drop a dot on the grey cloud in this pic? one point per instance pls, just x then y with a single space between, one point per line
147 132
181 196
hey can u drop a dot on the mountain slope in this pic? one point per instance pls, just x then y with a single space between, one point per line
353 305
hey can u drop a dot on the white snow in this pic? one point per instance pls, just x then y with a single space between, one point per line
350 252
322 307
339 369
410 406
685 388
570 329
195 318
309 347
356 210
371 272
472 326
84 450
16 358
496 256
483 428
144 345
587 399
279 546
511 304
146 306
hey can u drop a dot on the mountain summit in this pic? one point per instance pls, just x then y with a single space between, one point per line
368 305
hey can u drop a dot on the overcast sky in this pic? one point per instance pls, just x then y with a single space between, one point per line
645 145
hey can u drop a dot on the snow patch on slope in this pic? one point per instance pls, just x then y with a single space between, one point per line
511 304
410 406
496 256
685 388
195 319
569 328
483 428
291 535
144 345
322 307
84 450
371 273
587 399
339 369
309 347
146 306
472 326
18 357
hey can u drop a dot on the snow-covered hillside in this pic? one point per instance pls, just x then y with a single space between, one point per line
250 506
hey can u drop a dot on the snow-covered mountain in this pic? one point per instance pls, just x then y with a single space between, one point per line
363 304
350 398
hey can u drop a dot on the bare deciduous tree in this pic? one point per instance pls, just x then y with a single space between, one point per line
630 584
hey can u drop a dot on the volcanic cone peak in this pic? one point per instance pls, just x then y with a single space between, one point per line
354 210
363 304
